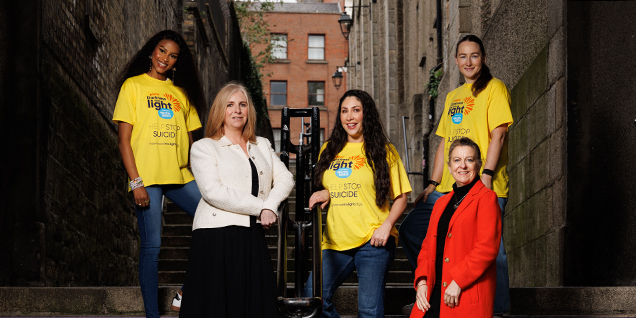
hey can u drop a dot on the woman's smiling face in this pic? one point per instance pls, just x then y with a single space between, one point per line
351 117
463 165
163 58
470 59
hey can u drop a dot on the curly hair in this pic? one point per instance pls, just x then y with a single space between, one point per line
186 75
375 146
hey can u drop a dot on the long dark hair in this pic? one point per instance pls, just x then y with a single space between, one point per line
375 146
485 76
186 75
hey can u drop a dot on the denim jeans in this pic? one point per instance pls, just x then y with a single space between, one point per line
502 294
413 230
187 198
372 264
414 226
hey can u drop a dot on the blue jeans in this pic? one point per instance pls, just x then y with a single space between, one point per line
372 264
187 198
414 226
413 230
502 294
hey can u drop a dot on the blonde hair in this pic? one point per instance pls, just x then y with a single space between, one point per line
216 118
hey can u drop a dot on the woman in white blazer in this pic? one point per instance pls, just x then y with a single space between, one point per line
242 183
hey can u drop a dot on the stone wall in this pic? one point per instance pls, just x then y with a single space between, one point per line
67 219
525 47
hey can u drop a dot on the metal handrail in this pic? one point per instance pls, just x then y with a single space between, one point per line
307 154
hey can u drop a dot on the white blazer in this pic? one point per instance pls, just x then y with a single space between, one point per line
224 176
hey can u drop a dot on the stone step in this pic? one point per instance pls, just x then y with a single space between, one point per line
171 265
176 241
177 217
564 302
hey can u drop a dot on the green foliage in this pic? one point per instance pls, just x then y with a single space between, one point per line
254 28
433 82
251 78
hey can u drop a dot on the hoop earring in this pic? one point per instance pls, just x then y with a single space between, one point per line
150 58
174 73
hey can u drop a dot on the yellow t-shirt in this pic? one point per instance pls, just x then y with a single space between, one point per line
353 215
161 117
475 117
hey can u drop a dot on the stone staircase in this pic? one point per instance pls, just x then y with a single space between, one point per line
177 228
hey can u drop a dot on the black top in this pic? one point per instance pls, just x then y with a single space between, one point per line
444 222
254 186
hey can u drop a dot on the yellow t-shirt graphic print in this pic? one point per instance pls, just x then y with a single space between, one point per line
161 117
353 215
475 117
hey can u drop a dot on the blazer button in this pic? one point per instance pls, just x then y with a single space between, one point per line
213 214
261 173
444 284
253 157
262 192
446 260
450 235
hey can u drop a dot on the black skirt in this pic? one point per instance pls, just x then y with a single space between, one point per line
230 274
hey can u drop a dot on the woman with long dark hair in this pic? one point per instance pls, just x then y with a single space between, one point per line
242 182
480 110
357 173
157 110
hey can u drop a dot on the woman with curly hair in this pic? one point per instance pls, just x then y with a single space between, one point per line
358 171
156 111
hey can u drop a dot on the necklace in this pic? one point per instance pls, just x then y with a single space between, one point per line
460 201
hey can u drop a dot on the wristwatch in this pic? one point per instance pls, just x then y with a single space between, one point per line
488 172
433 182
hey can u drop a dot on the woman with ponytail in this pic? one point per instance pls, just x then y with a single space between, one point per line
480 110
357 173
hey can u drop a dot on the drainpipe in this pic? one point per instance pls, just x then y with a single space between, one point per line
431 101
431 125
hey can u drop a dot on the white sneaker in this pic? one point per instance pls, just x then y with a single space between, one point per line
176 301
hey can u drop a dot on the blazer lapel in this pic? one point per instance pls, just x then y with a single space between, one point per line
470 197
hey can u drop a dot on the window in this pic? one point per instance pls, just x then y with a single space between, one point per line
316 93
316 47
277 139
278 93
322 136
279 46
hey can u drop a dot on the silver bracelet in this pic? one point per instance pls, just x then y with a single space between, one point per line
137 183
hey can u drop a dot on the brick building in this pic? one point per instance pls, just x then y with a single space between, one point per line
308 48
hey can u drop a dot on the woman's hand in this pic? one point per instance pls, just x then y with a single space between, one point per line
318 197
268 217
420 297
451 295
381 235
424 195
487 181
142 199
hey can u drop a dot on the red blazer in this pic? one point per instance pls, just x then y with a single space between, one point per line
472 244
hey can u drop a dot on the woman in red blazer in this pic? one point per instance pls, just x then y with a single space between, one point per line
456 274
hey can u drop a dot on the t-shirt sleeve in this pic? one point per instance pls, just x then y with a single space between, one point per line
441 128
499 106
399 179
125 106
192 121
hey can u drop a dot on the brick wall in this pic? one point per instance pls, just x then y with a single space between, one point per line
67 218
